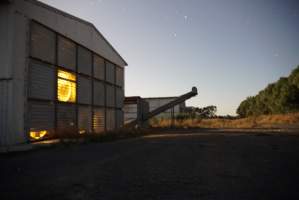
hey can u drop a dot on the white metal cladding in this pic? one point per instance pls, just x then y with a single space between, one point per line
130 108
119 97
41 116
98 93
84 119
119 118
98 120
130 112
84 90
66 53
99 67
41 80
110 72
119 76
110 95
110 119
66 117
84 61
42 43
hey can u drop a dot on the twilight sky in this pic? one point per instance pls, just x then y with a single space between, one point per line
229 49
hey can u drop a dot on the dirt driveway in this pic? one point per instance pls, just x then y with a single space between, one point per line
175 166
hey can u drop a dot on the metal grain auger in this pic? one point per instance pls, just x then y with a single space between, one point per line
163 108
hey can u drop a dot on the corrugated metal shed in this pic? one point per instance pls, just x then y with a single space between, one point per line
39 42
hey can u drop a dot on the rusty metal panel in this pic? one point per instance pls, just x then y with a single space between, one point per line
41 116
120 76
42 43
110 119
66 53
66 117
110 72
119 118
84 90
84 61
41 81
98 120
110 96
99 67
98 93
84 119
119 97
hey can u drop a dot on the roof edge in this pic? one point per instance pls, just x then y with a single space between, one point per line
65 14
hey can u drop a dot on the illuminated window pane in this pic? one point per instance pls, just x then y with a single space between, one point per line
66 75
66 87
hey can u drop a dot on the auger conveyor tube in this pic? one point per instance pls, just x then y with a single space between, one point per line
165 107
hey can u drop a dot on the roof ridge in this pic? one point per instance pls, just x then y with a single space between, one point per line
44 5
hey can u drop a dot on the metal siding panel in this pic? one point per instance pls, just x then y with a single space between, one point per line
84 61
4 107
99 120
130 108
66 53
41 116
41 81
99 93
119 98
84 90
110 72
84 119
110 119
119 76
99 67
110 96
119 118
42 43
66 117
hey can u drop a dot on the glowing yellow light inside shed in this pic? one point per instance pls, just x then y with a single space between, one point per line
66 87
38 134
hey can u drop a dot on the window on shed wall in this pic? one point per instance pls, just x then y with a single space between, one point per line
42 43
110 72
119 76
41 80
84 61
84 90
99 67
66 53
110 95
66 86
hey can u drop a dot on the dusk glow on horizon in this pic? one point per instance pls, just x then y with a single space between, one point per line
228 49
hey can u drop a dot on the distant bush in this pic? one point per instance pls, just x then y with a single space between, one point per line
277 98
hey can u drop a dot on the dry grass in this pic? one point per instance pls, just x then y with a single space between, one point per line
265 121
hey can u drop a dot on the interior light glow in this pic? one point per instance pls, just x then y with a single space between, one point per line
38 134
66 87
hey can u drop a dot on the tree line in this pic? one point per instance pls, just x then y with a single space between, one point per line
277 98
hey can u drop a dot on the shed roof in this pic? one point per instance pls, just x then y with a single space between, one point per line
116 58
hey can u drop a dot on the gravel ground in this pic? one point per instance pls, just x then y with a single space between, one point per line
169 166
